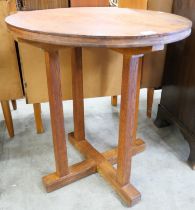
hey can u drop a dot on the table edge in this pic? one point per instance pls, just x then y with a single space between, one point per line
111 42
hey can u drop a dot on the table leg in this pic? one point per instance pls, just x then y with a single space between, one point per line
150 98
114 100
65 175
77 93
103 163
8 118
128 116
56 111
14 104
95 161
38 118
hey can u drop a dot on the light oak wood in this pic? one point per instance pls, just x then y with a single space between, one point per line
114 100
111 66
142 30
150 97
56 111
154 60
129 107
43 4
165 5
153 63
140 69
128 193
38 119
110 85
84 3
10 83
133 4
77 93
87 167
131 30
11 6
95 84
8 118
89 3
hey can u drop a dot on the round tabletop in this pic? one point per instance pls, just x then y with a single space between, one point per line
99 27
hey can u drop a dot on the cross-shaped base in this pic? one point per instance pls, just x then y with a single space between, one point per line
96 162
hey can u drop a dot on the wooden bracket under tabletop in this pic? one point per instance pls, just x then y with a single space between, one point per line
138 50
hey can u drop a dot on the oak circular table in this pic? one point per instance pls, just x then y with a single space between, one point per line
130 32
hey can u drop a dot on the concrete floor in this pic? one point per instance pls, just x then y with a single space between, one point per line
160 173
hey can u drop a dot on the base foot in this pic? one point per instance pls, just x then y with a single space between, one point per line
192 164
78 171
161 123
191 159
162 118
128 193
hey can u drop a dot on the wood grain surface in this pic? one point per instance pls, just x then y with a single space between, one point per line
42 4
98 26
133 4
89 3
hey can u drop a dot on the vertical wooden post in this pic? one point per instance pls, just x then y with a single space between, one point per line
56 111
8 118
114 100
128 123
140 68
150 97
38 118
14 104
133 4
77 92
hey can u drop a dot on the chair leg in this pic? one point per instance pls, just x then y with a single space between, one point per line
38 119
150 96
114 100
14 104
8 118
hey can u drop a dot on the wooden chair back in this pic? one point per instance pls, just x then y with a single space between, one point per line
89 3
10 83
134 4
41 4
